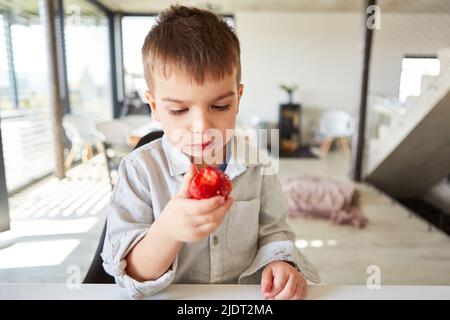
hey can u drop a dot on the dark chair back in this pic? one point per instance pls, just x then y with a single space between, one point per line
96 273
149 137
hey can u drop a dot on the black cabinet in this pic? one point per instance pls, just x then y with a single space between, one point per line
289 122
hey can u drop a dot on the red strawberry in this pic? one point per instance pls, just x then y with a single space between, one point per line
210 182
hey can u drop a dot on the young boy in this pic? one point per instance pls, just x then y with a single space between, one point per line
158 235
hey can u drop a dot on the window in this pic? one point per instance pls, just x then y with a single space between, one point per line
413 68
25 112
134 31
86 37
6 94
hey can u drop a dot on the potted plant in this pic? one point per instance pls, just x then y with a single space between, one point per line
289 89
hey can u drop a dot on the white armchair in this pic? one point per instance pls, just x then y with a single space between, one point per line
81 133
336 124
114 135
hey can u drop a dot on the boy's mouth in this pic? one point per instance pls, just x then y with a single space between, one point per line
201 146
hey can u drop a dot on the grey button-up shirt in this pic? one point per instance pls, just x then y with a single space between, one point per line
253 234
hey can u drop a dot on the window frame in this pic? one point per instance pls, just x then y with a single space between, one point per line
412 56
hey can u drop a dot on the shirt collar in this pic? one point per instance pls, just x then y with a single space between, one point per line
179 162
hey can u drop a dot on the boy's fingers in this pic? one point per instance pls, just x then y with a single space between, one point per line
279 282
289 289
205 206
303 290
214 215
208 228
266 280
184 189
221 210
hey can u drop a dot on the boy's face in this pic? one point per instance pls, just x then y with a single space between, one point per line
192 115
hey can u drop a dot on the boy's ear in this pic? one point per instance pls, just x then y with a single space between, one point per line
240 92
151 102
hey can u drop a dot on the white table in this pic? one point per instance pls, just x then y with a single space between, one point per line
15 291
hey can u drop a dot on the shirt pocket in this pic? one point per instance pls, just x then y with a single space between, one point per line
243 225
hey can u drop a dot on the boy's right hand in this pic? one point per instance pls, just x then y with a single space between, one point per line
184 219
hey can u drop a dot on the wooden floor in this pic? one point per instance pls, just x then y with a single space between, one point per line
84 192
55 226
58 224
406 248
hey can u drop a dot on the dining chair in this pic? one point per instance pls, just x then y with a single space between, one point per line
96 273
335 124
114 136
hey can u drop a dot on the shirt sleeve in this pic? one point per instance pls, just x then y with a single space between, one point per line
129 217
276 239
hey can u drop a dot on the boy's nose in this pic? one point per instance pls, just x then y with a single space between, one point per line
200 124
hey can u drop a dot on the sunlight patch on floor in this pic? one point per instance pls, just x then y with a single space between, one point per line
52 227
316 243
37 253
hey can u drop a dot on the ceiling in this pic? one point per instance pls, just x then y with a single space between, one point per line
231 6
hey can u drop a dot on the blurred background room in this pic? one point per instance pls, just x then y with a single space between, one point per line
359 90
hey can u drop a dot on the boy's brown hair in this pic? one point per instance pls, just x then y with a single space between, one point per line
194 40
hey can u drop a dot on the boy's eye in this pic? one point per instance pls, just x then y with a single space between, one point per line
177 112
221 108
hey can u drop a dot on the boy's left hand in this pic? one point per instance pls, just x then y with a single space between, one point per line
281 281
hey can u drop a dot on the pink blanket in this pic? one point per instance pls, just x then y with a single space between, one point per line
324 198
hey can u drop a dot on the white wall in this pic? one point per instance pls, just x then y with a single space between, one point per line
404 34
321 53
318 51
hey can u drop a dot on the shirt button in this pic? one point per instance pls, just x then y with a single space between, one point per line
216 240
